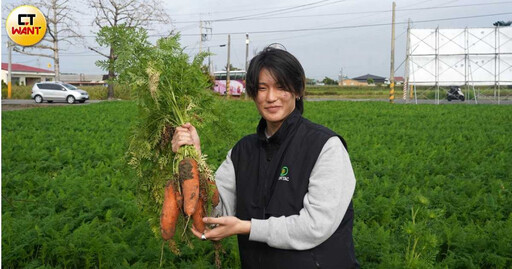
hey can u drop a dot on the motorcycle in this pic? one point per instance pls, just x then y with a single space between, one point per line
455 93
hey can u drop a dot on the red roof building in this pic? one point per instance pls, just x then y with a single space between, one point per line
26 75
24 68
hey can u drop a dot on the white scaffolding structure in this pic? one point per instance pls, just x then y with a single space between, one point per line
459 57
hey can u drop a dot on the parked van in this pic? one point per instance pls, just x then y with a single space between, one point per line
58 91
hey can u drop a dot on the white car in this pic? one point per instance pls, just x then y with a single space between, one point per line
58 91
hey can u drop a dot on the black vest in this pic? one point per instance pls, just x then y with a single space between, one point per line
272 177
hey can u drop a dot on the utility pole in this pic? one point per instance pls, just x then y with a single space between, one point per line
227 68
56 60
209 62
200 35
341 77
407 52
392 69
203 36
9 69
246 60
246 51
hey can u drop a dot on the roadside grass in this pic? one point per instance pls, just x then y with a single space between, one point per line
433 186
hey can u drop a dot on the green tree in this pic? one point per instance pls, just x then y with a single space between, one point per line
310 81
370 81
121 38
329 81
119 14
231 68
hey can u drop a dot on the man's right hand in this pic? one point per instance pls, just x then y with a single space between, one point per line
186 134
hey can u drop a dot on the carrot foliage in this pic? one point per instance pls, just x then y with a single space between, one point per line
170 89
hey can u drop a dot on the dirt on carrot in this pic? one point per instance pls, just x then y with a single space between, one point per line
189 179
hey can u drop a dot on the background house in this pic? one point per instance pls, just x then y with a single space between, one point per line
352 82
26 75
399 80
376 79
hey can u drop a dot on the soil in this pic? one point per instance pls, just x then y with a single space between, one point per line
185 170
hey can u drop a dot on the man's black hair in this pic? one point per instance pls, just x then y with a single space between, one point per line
284 68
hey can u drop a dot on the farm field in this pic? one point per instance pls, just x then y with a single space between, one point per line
434 186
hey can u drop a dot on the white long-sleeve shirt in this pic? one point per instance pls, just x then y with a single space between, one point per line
331 186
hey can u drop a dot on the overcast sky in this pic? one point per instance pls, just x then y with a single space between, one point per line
358 38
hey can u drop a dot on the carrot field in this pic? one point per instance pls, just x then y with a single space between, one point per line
433 186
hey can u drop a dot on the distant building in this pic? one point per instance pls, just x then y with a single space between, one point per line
351 82
26 75
399 80
83 79
376 79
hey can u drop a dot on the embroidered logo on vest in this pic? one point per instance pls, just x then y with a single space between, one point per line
284 172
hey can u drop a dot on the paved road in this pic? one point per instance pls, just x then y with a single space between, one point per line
16 104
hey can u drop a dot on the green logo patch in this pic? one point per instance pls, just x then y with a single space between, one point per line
284 171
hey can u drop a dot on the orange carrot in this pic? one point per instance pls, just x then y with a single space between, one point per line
179 199
215 195
189 178
170 213
199 213
198 216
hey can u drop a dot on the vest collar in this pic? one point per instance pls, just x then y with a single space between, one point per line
281 134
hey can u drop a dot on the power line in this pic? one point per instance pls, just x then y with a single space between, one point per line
400 35
354 26
245 18
260 16
373 17
234 10
342 21
277 11
304 8
281 9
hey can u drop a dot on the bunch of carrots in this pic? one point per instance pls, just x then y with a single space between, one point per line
188 195
192 193
193 181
